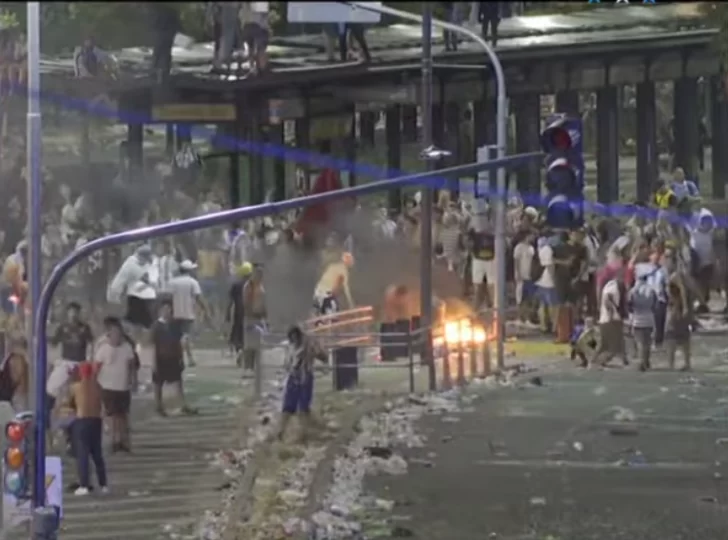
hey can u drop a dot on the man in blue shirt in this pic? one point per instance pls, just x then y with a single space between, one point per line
686 191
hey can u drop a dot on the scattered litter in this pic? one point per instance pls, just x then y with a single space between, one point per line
451 419
538 501
622 414
624 431
536 381
722 441
600 390
578 446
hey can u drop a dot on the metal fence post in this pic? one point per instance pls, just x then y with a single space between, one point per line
473 353
461 354
446 375
410 359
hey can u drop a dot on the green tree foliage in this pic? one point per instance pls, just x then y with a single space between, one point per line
124 24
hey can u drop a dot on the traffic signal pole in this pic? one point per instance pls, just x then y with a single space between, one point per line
500 198
194 224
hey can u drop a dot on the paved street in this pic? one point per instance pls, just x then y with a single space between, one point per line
599 455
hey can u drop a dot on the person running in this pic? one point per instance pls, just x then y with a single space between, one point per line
168 358
302 352
186 295
87 428
116 355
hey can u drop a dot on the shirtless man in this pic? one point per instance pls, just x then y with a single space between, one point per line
333 284
87 427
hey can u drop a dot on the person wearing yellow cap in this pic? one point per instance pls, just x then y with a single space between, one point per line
334 284
234 314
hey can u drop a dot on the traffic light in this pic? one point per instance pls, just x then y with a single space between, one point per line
562 143
16 459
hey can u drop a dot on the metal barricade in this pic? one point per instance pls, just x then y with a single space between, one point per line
363 357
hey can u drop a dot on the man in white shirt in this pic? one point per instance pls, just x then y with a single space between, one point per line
523 255
186 295
546 284
611 323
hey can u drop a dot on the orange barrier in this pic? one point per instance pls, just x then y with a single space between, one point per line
344 328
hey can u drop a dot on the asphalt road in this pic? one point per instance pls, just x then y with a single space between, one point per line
561 462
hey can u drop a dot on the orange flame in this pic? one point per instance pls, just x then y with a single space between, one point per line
461 332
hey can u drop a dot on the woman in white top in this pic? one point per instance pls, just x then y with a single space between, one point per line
117 373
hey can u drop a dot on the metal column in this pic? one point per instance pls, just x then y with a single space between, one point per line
393 134
647 165
135 148
367 127
409 123
453 142
303 141
351 145
607 145
567 101
528 139
234 191
426 251
687 126
276 135
719 135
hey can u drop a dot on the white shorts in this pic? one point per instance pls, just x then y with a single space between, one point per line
483 269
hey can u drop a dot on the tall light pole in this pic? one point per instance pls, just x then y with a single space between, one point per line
500 196
426 202
34 179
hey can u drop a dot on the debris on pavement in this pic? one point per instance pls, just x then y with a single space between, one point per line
232 462
346 511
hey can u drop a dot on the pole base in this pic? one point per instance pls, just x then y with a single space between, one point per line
45 523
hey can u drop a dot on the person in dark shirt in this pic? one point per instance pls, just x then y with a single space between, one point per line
168 358
74 336
235 311
482 248
489 15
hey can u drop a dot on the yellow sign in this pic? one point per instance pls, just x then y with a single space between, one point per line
198 112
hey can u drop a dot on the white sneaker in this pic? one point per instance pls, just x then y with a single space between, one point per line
81 491
105 490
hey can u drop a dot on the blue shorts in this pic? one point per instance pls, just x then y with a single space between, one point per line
529 290
298 395
548 296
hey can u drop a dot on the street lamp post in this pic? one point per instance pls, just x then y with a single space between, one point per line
44 520
500 196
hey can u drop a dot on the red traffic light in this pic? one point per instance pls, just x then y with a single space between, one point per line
15 432
560 140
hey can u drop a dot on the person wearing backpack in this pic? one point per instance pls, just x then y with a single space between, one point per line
642 301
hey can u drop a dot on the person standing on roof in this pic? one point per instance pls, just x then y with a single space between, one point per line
456 15
229 33
256 33
489 16
165 25
356 31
